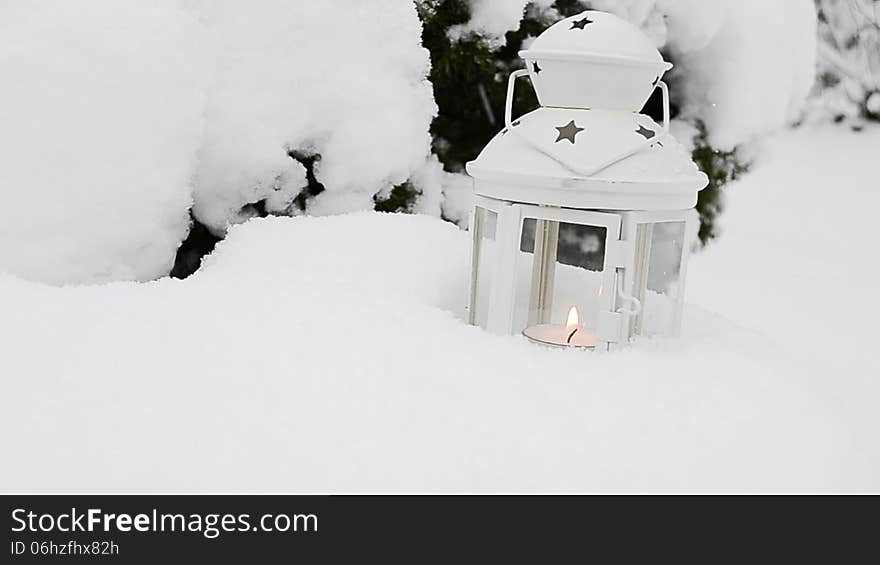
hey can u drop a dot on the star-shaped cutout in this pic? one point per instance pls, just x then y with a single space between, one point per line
580 24
568 132
645 132
536 68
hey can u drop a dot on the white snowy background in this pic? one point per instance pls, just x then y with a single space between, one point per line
327 352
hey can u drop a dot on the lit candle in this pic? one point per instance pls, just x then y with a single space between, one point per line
572 334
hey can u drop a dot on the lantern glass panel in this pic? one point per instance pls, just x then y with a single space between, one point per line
560 265
484 227
659 251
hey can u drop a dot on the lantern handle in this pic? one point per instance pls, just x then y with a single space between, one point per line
508 122
508 104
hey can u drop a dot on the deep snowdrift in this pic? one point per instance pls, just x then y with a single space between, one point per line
328 354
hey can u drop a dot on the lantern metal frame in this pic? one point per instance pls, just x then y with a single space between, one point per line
625 264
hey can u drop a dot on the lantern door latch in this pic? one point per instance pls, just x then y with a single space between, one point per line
627 303
616 253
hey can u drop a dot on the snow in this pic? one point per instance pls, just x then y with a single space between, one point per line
872 104
116 118
754 73
99 127
493 18
343 365
804 216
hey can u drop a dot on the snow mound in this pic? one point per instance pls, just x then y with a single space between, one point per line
395 258
790 263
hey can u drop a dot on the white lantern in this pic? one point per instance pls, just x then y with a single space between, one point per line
583 217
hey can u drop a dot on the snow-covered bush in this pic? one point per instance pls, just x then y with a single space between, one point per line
119 119
849 60
100 119
744 68
342 81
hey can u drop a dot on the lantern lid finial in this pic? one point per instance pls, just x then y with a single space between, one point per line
596 35
594 60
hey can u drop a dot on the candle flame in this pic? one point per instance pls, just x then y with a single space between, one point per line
573 319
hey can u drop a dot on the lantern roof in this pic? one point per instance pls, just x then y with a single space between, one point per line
572 157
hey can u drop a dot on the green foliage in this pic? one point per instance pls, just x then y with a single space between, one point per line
470 80
401 199
199 242
721 167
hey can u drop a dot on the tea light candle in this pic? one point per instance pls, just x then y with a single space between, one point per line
572 334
